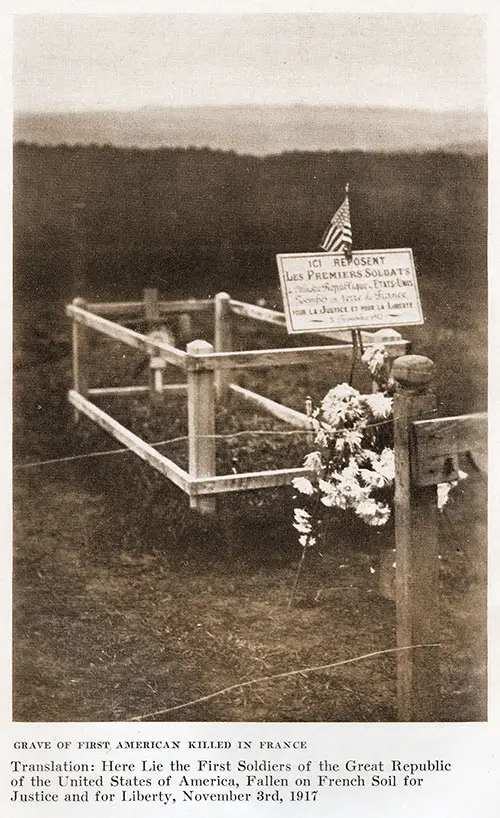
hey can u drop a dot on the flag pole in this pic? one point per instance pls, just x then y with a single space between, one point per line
355 334
358 331
335 236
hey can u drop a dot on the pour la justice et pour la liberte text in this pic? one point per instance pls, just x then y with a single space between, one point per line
258 776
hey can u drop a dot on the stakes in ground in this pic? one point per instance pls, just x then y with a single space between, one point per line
369 289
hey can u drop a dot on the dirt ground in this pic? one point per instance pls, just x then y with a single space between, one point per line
127 605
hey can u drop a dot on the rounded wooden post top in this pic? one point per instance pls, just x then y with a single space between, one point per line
413 371
199 348
222 296
79 302
387 334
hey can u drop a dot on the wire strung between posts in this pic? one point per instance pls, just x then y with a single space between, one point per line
228 436
126 450
275 676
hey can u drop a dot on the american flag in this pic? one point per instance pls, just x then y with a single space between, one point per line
338 234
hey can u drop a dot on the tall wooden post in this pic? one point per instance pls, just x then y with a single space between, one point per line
80 356
222 342
201 424
417 565
386 562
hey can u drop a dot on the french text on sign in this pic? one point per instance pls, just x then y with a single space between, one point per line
328 291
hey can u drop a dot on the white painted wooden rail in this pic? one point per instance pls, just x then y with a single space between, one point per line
210 376
133 442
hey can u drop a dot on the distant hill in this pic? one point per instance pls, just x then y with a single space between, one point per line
262 130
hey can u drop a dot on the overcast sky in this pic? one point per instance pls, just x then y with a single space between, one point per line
86 61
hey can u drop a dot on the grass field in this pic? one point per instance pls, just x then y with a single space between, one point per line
127 604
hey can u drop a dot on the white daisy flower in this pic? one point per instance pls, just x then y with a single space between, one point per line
351 470
380 405
373 512
305 540
303 485
321 439
331 496
350 491
372 478
302 520
340 444
374 357
385 465
353 438
314 462
443 493
340 403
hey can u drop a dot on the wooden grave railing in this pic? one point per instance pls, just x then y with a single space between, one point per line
210 373
426 450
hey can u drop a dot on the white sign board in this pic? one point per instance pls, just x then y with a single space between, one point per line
327 291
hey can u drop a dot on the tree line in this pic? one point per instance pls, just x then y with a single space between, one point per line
194 221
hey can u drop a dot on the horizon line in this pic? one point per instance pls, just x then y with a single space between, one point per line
290 105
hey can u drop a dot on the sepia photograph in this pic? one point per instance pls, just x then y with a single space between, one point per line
250 376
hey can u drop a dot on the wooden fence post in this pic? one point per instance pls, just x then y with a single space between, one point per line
156 369
151 314
201 425
185 323
223 342
380 337
417 565
80 356
151 309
